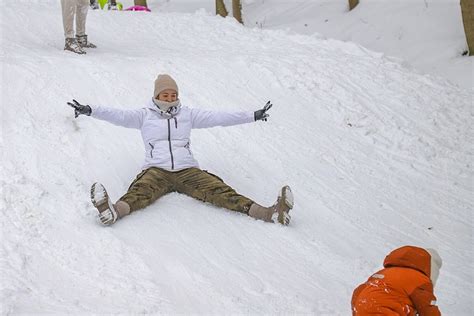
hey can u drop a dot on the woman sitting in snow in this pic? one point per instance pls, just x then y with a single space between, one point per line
166 126
404 287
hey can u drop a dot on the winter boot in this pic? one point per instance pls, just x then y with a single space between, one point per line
72 46
94 5
279 212
108 212
83 42
112 5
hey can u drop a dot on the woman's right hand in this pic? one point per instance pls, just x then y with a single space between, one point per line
80 109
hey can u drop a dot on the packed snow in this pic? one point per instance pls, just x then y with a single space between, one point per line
377 152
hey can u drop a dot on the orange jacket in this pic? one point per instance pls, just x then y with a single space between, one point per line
402 288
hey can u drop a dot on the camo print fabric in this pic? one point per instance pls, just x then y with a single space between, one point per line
153 183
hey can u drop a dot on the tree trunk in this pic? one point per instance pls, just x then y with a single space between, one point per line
220 8
140 2
237 10
467 9
353 4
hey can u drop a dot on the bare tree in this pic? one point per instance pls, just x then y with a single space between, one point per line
220 8
467 9
140 2
237 10
353 4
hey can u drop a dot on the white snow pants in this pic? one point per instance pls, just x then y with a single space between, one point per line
77 8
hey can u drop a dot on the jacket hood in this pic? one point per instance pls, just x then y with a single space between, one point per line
436 264
410 257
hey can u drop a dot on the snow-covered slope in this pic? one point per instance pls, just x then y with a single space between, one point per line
378 157
427 35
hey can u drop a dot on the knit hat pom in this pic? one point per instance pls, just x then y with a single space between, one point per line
164 82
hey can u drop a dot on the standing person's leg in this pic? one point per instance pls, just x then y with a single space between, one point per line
82 7
68 8
207 187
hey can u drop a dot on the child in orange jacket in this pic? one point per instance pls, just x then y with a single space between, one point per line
404 287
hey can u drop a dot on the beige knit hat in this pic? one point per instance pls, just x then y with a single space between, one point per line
164 82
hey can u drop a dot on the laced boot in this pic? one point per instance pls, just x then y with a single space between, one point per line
108 212
83 42
278 212
73 46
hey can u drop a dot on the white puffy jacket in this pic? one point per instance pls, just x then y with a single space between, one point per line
167 140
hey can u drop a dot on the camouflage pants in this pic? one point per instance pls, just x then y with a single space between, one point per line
153 183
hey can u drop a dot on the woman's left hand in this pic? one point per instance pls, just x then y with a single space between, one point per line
262 115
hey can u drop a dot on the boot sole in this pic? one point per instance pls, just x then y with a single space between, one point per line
286 196
72 51
101 201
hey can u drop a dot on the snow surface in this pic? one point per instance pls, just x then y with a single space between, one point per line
378 156
427 35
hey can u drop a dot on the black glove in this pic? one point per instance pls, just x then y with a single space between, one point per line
262 114
80 109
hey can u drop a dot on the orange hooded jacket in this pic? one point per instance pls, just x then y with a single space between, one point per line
402 288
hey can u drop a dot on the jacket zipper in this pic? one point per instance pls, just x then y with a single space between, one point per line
169 142
151 151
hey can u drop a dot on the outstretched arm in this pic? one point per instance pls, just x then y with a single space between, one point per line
203 119
130 118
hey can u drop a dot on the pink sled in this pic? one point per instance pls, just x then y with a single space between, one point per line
138 8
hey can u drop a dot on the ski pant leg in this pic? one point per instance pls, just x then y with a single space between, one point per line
148 186
68 8
82 6
207 187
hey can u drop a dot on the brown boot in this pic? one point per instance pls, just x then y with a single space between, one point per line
108 212
279 212
72 45
84 42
